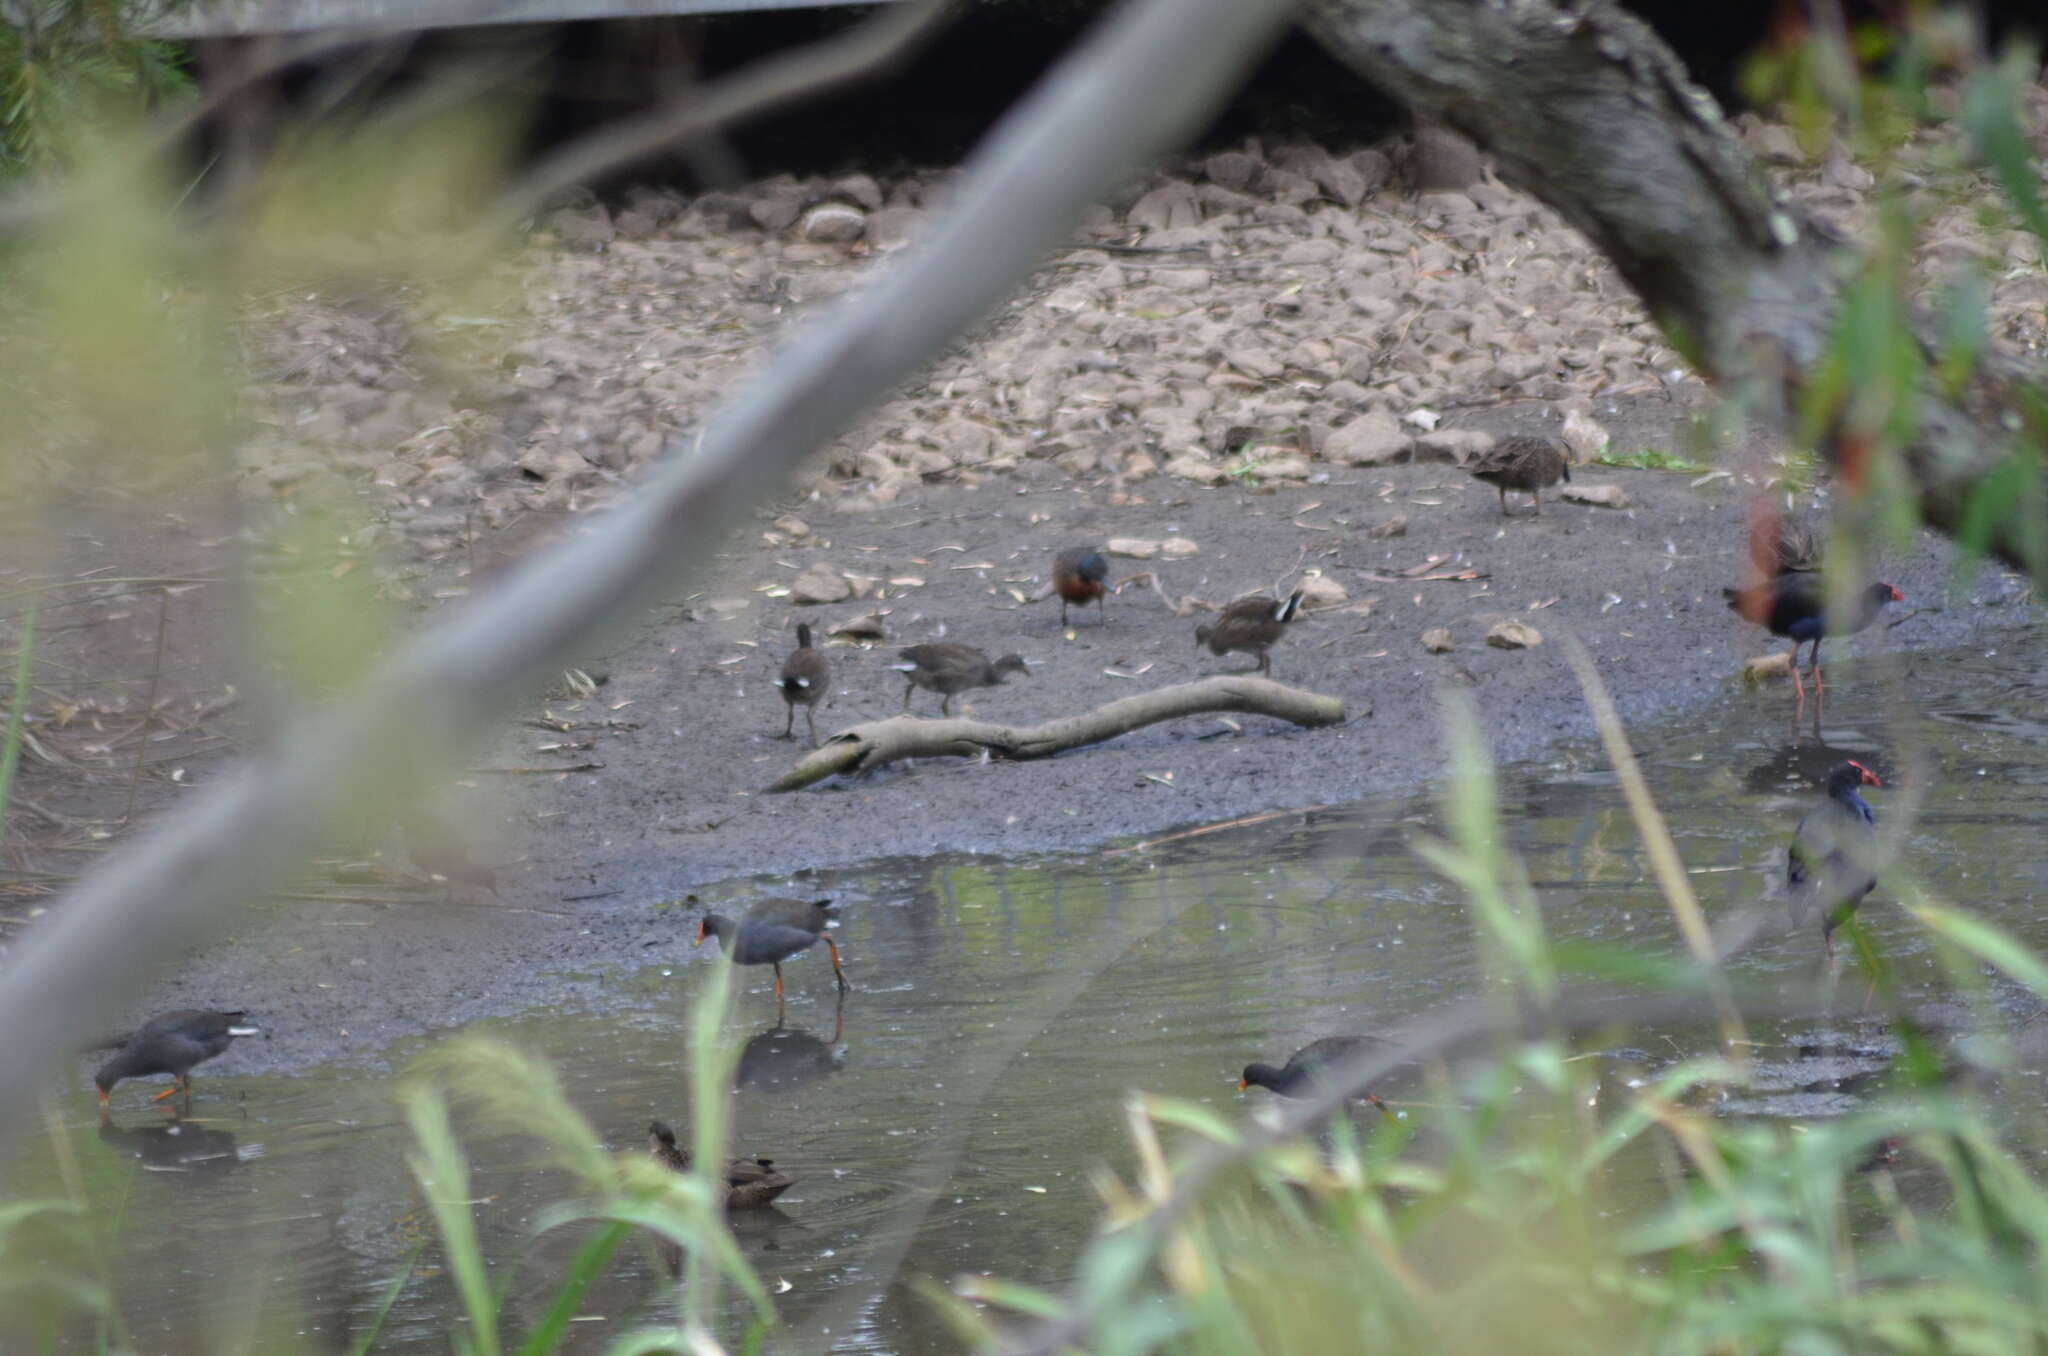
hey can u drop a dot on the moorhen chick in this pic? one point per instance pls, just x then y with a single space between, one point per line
1829 864
1078 575
806 678
1252 624
771 931
1795 606
750 1183
172 1043
949 669
1519 462
1303 1072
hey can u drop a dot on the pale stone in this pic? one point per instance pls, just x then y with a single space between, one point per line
1514 635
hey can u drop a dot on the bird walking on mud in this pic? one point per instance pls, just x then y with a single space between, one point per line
1078 576
1252 624
771 931
1830 865
171 1043
806 678
1529 465
949 669
1795 606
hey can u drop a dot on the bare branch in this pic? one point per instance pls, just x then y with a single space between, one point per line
874 743
1142 82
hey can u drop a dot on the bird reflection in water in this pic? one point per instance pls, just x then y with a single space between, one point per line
783 1059
179 1146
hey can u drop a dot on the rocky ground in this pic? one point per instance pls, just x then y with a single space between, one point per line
1255 369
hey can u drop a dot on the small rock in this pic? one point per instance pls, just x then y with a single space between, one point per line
1396 526
1454 445
778 213
834 223
1281 468
1319 591
1234 170
859 188
789 525
1777 664
867 626
1437 640
1514 635
583 228
1372 439
1584 436
891 228
819 584
1200 469
1600 496
1131 548
1167 207
1179 548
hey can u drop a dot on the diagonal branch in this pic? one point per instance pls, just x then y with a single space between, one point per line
1587 108
1142 82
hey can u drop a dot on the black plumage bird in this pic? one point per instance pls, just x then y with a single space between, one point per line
1078 576
806 678
1306 1069
1795 606
771 931
1830 865
172 1043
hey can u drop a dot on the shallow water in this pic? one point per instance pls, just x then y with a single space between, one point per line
1002 1013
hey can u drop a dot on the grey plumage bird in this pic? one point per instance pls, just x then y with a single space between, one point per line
1252 624
949 669
806 679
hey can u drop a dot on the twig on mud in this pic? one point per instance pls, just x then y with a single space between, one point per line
1241 822
535 771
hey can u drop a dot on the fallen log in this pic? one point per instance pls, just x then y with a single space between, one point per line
877 742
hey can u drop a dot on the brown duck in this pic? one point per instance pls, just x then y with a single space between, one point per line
949 669
806 678
1525 464
771 931
1252 624
750 1183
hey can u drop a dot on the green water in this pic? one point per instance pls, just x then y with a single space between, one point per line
1003 1013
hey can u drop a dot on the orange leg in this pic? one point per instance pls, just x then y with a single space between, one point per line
837 973
778 981
178 1085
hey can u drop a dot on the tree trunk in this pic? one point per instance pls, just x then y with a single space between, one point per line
1585 107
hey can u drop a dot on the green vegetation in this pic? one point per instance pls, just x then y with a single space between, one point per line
70 69
1650 459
